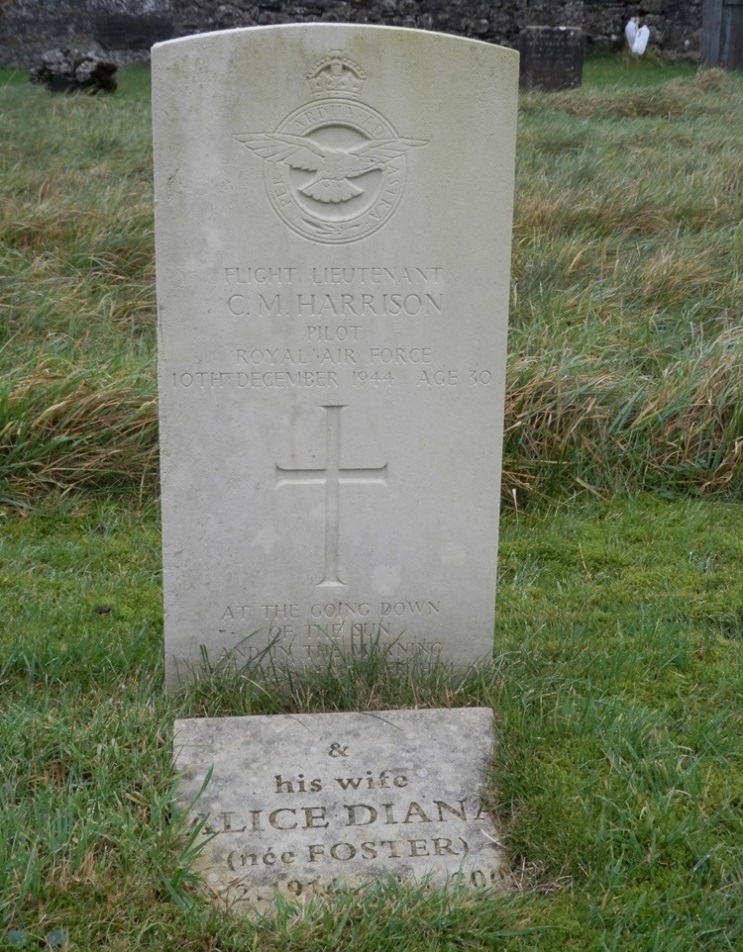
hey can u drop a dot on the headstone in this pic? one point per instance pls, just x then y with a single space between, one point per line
333 217
551 57
302 804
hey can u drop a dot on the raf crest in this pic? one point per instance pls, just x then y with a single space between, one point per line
334 169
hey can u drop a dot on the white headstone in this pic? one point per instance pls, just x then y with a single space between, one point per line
304 803
333 213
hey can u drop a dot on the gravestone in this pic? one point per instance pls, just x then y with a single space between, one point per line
333 221
551 57
302 804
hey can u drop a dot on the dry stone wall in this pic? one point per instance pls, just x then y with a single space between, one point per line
124 30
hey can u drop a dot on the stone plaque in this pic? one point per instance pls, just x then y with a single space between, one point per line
333 215
306 803
551 57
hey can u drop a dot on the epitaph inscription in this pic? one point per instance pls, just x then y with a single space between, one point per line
305 804
333 274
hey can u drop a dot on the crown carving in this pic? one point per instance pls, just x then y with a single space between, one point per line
336 75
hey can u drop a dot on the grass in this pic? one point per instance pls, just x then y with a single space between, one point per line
617 677
627 71
616 687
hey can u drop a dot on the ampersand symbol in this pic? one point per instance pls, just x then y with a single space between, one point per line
337 751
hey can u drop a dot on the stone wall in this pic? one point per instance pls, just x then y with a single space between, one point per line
675 25
124 30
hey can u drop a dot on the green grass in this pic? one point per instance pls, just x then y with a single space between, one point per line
616 682
625 71
618 778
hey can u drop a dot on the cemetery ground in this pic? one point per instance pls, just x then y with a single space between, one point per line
616 679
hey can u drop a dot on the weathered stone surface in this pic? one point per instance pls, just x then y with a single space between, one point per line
333 278
551 57
302 804
121 31
69 71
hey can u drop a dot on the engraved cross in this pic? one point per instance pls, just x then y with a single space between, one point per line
331 476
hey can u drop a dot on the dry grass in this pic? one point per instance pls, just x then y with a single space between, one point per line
64 427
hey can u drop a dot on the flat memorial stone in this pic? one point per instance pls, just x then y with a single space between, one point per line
333 224
305 803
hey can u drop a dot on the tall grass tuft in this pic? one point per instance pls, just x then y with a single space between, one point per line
64 426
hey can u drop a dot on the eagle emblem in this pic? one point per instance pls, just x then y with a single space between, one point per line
335 168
